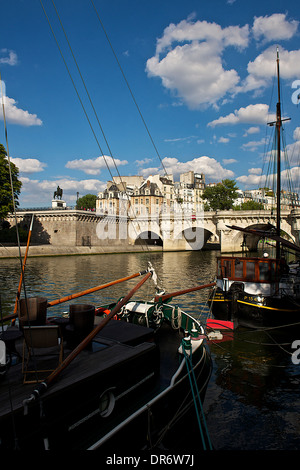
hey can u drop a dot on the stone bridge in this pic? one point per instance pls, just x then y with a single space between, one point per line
193 232
171 232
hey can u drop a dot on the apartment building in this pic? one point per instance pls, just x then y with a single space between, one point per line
114 200
134 195
147 199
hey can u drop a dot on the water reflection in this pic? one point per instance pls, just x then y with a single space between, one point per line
253 401
55 277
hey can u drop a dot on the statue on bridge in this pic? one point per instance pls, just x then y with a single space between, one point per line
58 193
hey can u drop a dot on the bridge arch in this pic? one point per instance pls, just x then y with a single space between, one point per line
251 242
195 237
148 237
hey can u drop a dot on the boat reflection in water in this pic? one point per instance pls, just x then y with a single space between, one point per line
253 402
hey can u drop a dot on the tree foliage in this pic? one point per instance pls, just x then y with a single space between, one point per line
87 202
221 196
6 199
251 206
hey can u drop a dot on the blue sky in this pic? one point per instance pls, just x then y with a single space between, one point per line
202 74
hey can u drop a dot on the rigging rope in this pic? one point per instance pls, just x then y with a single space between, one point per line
133 98
9 168
94 110
197 400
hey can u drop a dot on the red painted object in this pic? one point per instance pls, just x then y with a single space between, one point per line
220 324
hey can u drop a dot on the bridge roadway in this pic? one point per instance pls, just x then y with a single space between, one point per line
77 228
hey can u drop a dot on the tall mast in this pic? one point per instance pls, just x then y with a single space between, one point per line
278 124
278 133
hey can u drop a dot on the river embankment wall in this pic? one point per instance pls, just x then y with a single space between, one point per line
49 250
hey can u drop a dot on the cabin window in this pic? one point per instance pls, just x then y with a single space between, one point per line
250 270
219 274
273 271
224 268
238 268
264 274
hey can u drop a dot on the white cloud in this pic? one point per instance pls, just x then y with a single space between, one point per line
254 144
251 130
252 114
296 133
229 161
274 27
145 161
293 149
182 139
15 115
223 140
254 178
145 172
10 57
263 68
93 166
188 60
255 171
29 165
212 169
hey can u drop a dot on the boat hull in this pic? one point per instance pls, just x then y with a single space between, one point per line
255 311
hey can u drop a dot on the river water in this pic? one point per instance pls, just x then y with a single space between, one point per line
253 398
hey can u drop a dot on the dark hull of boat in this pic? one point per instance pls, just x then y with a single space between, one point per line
122 395
255 312
160 421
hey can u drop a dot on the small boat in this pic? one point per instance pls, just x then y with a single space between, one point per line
125 374
261 291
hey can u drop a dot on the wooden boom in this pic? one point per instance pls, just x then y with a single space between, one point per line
94 289
181 292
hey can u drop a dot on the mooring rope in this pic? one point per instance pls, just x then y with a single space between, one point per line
197 400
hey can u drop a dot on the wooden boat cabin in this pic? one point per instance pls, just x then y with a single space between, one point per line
262 270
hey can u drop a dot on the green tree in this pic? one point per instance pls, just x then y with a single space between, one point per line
87 202
221 196
251 206
6 199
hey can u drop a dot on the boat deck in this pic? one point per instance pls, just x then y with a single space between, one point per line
116 344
